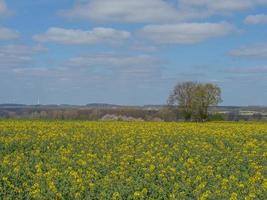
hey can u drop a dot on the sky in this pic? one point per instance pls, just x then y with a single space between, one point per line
131 52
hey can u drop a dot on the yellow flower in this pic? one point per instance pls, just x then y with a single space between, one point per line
233 196
141 160
137 194
116 195
205 195
35 190
152 168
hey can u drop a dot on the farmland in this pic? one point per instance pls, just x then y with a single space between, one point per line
141 160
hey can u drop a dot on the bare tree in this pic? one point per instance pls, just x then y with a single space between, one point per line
183 96
194 99
206 95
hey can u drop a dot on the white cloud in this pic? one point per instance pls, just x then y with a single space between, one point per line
249 70
221 6
256 19
257 51
8 34
108 70
122 75
3 9
186 33
12 56
144 47
155 11
72 36
121 64
128 11
111 66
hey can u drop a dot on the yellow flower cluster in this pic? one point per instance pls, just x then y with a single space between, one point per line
140 160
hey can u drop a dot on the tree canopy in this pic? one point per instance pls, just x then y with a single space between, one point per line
195 98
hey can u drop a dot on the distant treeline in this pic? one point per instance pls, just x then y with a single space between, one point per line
87 114
167 114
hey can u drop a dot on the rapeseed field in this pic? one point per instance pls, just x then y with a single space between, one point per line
120 160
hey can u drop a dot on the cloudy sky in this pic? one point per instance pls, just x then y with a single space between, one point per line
131 52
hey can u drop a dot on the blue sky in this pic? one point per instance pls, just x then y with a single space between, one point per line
131 52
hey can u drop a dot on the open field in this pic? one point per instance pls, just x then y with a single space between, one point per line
119 160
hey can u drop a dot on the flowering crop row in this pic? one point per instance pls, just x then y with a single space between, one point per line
118 160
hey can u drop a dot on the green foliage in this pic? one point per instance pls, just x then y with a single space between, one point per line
216 117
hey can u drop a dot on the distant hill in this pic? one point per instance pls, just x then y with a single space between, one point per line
12 105
103 105
96 111
226 109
